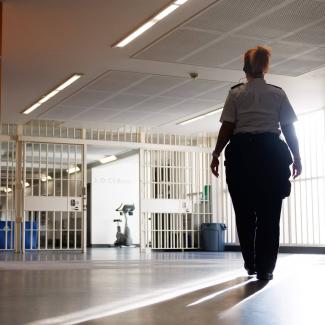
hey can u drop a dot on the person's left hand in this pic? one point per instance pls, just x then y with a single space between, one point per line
215 166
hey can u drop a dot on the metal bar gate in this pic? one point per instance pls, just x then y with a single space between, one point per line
175 198
54 189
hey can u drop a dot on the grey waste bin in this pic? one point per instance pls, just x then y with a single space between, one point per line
213 236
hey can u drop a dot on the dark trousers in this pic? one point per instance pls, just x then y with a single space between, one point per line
257 173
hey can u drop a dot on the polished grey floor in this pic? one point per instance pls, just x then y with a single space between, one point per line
126 286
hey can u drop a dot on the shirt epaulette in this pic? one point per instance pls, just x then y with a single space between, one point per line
233 87
275 86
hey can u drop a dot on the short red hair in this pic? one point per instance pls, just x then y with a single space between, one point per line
257 61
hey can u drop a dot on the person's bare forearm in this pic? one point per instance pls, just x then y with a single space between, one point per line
289 133
225 133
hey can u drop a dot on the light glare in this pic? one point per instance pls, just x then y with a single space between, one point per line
165 12
69 82
52 93
180 2
107 159
73 170
136 34
32 108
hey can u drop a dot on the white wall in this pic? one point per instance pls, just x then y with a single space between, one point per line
113 184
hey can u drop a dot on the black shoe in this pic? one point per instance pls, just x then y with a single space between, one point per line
251 271
264 276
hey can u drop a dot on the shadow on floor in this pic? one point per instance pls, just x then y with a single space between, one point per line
203 306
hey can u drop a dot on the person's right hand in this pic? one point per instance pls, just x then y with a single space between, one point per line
296 168
215 166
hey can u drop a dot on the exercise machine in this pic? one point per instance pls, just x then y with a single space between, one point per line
124 239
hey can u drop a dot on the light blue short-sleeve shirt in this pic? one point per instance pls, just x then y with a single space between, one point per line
257 107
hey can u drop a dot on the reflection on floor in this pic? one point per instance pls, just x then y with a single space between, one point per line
124 286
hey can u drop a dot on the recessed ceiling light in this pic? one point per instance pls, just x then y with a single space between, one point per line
107 159
161 15
52 93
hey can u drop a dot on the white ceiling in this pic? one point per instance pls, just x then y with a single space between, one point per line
147 83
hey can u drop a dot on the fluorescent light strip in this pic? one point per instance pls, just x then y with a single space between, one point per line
180 2
51 94
161 15
196 118
165 12
107 159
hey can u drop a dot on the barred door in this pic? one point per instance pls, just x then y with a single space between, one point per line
7 194
54 188
175 198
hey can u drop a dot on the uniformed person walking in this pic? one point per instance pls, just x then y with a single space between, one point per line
257 161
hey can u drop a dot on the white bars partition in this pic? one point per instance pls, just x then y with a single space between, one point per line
303 213
53 177
7 194
174 175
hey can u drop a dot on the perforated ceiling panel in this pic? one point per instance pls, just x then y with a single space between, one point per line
283 50
227 15
193 88
154 85
176 45
122 101
191 106
127 98
314 35
116 80
218 36
222 51
287 19
302 64
217 95
157 104
97 114
86 98
61 112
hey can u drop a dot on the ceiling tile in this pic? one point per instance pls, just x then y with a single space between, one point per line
301 64
157 104
127 118
86 98
313 35
116 81
176 45
191 106
62 113
217 95
96 115
193 88
222 51
227 15
282 51
285 20
155 85
122 101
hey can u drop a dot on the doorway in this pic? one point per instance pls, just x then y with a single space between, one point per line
113 181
